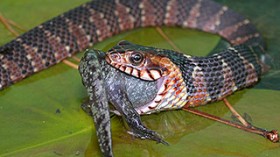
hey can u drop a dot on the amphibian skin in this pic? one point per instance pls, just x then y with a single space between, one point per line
107 84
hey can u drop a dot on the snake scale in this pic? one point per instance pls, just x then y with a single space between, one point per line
73 31
162 79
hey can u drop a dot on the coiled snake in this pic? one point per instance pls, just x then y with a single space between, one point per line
164 79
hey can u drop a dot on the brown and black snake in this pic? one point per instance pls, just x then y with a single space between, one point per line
73 31
165 79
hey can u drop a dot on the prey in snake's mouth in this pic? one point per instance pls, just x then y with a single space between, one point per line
142 80
151 64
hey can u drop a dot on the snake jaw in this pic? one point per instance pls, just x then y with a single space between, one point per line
151 68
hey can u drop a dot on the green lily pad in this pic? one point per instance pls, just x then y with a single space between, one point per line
41 115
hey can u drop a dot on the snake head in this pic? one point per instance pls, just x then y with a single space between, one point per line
139 61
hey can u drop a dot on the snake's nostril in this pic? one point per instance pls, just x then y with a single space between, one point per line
115 57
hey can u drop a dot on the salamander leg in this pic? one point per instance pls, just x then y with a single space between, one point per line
139 130
117 95
273 135
87 108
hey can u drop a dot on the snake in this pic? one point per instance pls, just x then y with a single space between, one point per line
140 79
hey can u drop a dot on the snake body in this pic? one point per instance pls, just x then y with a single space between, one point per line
187 81
162 79
77 29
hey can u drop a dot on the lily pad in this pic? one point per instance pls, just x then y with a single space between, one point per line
41 115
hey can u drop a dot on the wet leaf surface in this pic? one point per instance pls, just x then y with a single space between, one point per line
41 115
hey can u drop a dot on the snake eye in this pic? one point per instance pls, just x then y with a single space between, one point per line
136 58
